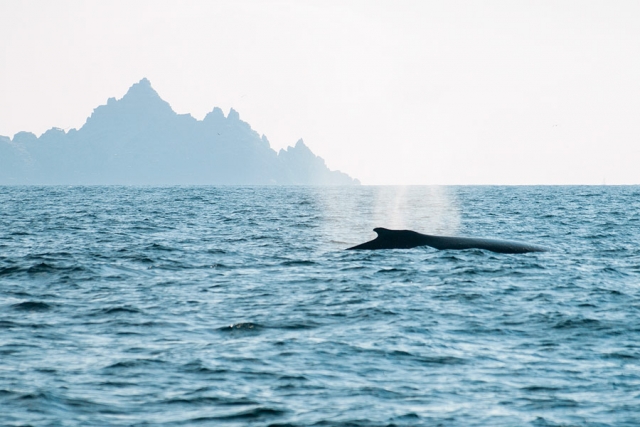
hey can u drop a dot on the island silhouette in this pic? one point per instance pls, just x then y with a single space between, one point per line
140 140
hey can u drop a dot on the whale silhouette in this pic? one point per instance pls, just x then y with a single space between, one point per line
406 239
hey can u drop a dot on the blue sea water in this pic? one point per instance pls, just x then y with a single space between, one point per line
134 306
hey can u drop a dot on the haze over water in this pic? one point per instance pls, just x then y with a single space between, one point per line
133 306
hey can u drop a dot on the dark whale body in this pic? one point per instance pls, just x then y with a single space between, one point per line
406 239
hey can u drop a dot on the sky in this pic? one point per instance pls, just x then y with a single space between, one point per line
390 92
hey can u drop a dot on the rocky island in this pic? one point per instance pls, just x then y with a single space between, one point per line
140 140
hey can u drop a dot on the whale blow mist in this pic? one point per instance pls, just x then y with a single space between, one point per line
433 209
348 221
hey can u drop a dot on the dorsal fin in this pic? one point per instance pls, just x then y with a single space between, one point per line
382 231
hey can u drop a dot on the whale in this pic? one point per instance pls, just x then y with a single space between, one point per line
407 239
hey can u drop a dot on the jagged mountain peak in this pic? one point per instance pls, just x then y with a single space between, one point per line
215 114
142 88
300 149
141 103
233 115
143 94
300 145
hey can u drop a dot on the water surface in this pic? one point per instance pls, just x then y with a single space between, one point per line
133 306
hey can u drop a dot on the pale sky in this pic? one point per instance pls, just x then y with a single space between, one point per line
390 92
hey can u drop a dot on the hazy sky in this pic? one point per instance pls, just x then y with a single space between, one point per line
391 92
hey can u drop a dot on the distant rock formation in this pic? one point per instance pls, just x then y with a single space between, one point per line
140 140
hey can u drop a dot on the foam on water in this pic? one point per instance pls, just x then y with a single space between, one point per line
239 306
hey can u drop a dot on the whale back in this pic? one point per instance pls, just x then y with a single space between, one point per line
406 239
394 239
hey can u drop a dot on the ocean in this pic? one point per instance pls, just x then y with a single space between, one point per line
238 306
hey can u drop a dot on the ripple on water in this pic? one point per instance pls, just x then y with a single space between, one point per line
31 306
